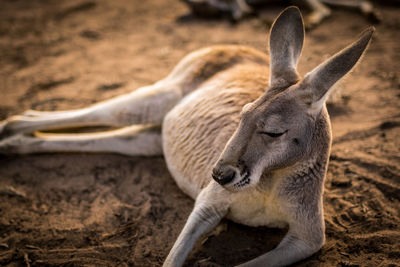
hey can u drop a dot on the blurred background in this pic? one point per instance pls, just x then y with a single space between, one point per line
111 210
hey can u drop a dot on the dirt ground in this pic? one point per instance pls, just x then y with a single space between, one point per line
112 210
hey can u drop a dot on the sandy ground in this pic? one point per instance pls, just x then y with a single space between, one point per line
112 210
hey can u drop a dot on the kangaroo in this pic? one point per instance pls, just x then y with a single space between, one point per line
244 146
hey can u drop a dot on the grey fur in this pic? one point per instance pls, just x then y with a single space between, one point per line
268 144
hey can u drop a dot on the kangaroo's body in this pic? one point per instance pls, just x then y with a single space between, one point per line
244 145
207 118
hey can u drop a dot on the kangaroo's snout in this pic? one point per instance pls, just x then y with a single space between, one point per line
223 174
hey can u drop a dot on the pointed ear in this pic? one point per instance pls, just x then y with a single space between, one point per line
285 44
317 83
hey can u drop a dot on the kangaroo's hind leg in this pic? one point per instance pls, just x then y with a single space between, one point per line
145 105
136 140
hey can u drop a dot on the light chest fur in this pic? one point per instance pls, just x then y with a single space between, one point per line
257 208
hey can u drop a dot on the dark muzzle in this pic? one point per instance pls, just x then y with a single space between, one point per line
223 174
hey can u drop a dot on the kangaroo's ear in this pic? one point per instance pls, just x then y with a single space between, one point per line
285 44
316 84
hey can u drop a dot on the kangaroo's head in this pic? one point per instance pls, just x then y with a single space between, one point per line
276 131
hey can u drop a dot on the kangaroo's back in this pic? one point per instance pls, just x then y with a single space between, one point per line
265 144
258 128
218 81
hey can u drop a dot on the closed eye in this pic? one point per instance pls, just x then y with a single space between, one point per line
274 135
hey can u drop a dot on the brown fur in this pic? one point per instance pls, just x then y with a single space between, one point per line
264 142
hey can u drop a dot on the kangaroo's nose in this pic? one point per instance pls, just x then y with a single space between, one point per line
224 174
